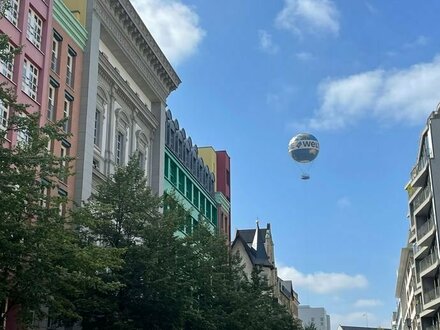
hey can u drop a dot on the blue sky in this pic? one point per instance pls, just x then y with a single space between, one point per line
362 76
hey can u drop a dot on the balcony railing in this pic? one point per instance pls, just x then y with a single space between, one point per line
423 229
428 261
422 196
431 294
419 166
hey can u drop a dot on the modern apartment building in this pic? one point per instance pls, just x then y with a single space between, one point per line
126 81
188 178
316 315
418 290
219 164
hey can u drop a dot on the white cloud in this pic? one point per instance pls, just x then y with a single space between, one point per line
323 283
406 95
266 42
309 16
304 56
368 303
419 42
173 25
281 99
343 202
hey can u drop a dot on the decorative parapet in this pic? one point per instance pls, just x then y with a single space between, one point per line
221 199
70 24
128 29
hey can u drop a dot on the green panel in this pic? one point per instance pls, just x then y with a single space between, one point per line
196 197
69 23
173 172
181 181
189 189
167 166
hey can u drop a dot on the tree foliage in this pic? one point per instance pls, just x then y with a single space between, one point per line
42 258
170 281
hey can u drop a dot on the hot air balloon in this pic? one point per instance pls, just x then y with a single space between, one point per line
304 148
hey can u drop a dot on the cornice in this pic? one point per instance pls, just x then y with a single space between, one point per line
69 23
110 74
126 27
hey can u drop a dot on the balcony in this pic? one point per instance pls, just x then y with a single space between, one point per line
425 233
421 200
426 263
419 172
431 299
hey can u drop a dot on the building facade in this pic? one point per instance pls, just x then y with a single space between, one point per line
256 249
418 290
68 41
219 163
28 23
316 315
126 81
187 177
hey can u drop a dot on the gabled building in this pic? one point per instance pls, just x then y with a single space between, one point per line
256 249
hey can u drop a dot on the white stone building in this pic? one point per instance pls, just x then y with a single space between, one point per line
126 81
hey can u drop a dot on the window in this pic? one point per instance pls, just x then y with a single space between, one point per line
4 111
141 160
173 172
34 28
66 112
119 152
181 181
64 168
29 84
12 12
188 188
54 55
51 103
7 67
22 137
167 165
196 197
70 67
97 130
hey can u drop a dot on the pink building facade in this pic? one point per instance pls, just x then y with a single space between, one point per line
28 23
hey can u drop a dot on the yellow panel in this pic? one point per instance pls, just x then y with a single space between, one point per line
78 8
209 158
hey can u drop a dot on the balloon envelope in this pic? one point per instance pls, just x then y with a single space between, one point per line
304 147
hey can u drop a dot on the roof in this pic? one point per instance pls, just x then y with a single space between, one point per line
253 241
248 234
347 327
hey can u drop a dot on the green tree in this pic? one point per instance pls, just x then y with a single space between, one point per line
125 214
41 256
310 326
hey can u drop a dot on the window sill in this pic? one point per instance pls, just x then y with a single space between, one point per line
41 52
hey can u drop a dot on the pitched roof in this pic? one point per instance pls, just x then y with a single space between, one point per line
253 241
